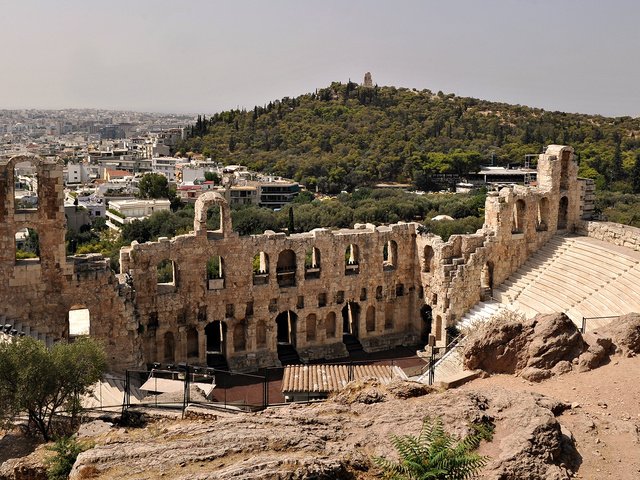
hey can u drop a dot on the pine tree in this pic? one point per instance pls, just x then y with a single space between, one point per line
635 175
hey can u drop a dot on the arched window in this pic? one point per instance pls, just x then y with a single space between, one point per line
260 266
428 259
312 264
519 211
169 347
311 327
330 325
390 255
352 260
215 273
350 319
286 268
542 219
486 276
371 319
193 346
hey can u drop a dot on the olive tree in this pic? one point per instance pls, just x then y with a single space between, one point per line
40 382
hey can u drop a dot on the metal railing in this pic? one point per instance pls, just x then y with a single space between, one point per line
439 353
583 328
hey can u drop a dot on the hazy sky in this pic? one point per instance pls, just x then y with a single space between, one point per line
204 56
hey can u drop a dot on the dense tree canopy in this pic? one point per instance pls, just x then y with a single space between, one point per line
346 136
154 185
41 382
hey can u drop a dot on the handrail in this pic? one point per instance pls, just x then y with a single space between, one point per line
583 328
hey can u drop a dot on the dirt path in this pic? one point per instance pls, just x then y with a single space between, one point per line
605 420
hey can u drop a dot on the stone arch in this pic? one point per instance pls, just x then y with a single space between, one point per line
350 319
239 337
390 255
311 326
216 333
169 347
352 260
542 218
370 323
193 345
79 321
519 213
330 325
312 263
563 213
427 259
203 203
286 327
286 268
27 245
260 266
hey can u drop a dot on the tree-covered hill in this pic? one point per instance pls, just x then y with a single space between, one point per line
348 135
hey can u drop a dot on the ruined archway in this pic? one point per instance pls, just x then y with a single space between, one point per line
390 255
312 264
350 319
542 218
286 328
330 325
215 273
286 268
203 203
519 212
352 260
563 213
260 266
79 321
193 344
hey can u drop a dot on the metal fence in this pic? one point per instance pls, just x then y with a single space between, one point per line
182 385
586 320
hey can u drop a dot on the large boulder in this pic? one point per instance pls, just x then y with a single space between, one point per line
624 332
531 348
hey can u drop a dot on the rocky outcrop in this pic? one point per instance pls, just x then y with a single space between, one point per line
334 439
624 333
530 348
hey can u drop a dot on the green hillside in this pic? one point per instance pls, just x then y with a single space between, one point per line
348 135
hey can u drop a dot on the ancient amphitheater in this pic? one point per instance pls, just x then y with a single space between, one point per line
321 294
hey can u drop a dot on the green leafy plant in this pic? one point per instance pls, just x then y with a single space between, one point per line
66 451
435 454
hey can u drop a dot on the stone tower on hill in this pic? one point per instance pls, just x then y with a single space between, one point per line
367 80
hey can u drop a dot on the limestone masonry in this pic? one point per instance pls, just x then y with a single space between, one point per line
248 301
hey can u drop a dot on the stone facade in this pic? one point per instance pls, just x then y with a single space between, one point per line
242 297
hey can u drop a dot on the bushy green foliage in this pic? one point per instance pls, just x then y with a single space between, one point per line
435 454
66 451
154 185
346 136
42 382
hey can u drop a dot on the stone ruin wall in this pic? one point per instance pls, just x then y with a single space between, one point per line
467 267
386 297
614 233
132 313
40 292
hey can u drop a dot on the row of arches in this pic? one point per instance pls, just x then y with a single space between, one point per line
288 330
541 217
286 266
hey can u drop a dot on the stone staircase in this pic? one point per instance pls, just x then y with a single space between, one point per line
579 276
10 328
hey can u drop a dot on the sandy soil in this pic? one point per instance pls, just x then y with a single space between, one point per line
604 420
